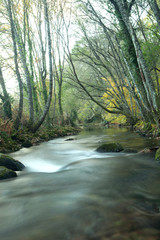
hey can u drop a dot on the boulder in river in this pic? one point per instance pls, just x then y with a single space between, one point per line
6 173
110 147
10 163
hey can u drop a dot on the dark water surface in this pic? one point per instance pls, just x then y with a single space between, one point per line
70 192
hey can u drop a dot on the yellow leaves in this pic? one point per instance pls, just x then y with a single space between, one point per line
116 119
105 95
104 79
117 94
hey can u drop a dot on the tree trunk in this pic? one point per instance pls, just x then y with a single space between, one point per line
5 98
47 106
20 83
22 52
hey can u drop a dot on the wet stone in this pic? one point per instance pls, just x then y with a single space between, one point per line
6 173
11 163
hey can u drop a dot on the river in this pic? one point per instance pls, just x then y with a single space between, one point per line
68 191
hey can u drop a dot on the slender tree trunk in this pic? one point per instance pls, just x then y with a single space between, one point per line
5 98
43 70
47 106
60 102
22 52
20 83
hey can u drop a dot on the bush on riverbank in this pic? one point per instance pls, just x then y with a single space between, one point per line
146 129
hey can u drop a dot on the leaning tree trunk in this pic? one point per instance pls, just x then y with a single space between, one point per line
146 79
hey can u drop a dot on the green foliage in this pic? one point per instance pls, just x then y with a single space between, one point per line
7 143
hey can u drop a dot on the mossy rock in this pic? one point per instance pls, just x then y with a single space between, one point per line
157 156
6 173
11 163
110 147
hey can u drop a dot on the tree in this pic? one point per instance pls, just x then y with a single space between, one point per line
140 83
124 8
24 49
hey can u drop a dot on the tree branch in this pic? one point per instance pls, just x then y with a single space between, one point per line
131 5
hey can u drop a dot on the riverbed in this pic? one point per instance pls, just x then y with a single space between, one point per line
68 191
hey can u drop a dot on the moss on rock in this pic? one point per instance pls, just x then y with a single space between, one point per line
6 173
110 147
157 156
11 163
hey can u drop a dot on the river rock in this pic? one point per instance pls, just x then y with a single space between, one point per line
149 150
6 173
70 139
10 163
110 147
157 156
130 150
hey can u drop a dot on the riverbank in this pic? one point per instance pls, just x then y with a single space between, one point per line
144 129
23 138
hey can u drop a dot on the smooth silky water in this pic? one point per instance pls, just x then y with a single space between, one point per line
69 191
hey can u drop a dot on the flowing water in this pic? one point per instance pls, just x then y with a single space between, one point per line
68 191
